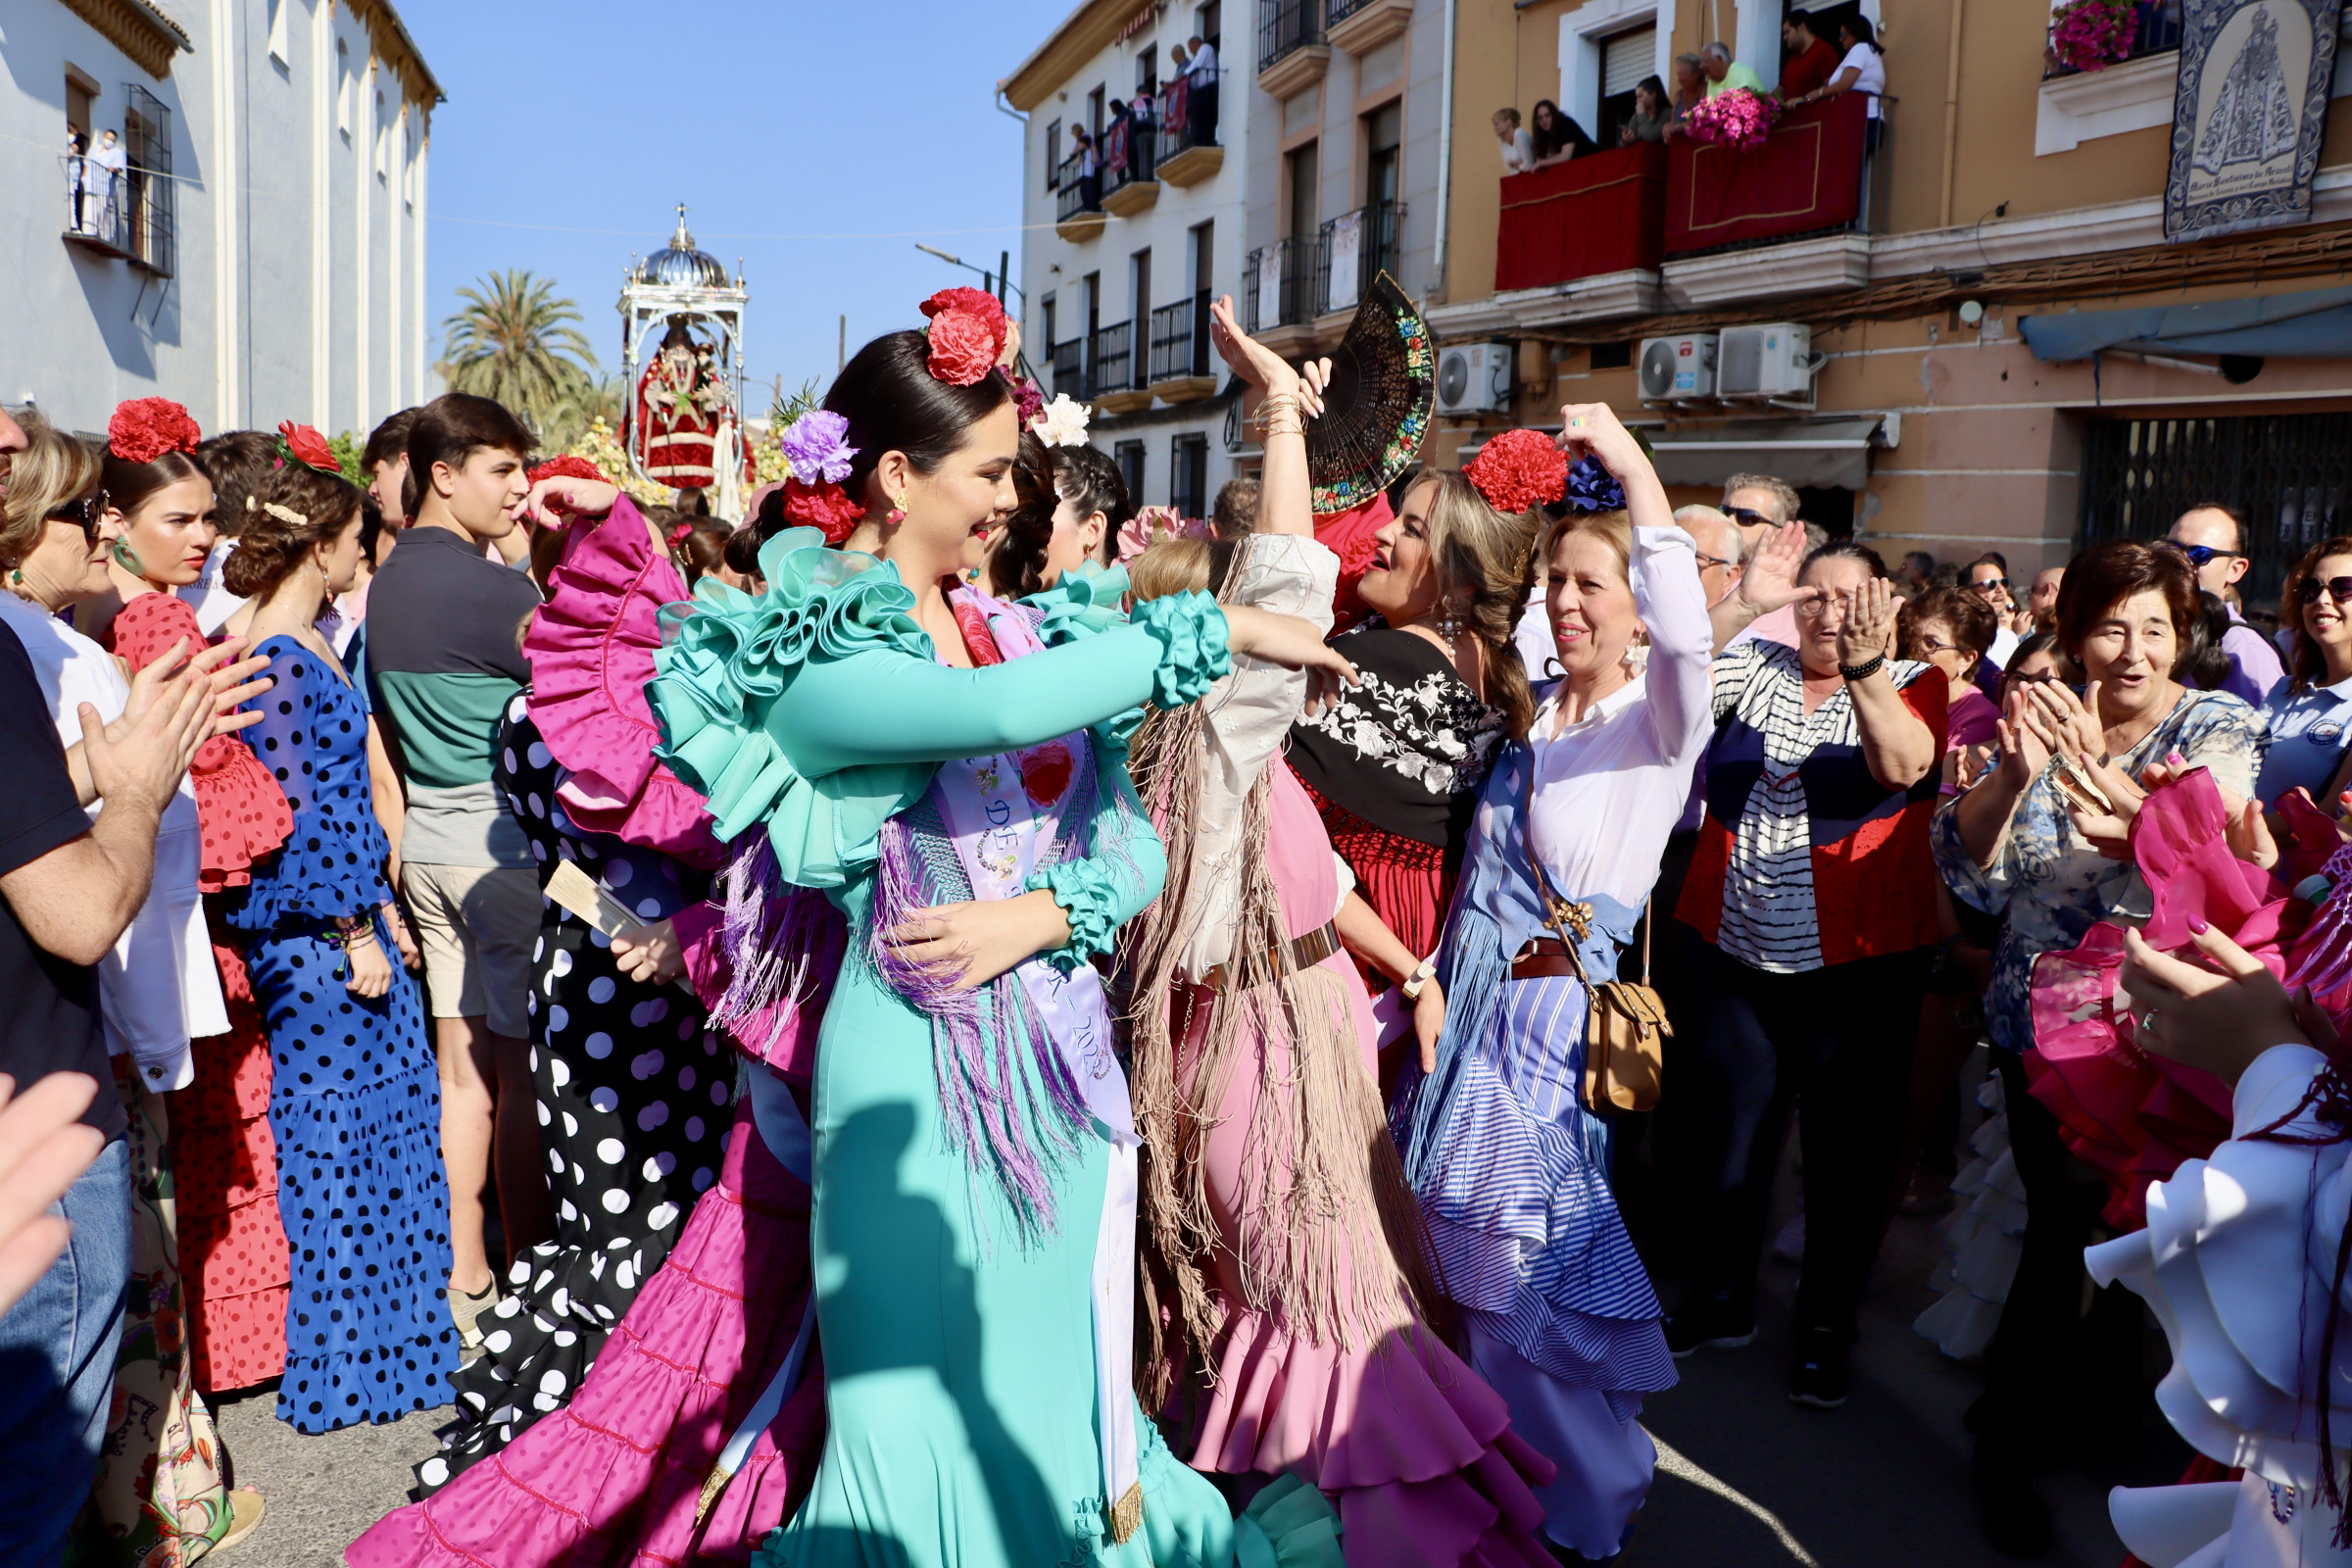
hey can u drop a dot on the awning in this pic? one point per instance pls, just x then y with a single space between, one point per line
1806 453
2316 324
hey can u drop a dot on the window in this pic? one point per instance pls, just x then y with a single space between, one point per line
1139 284
409 123
278 50
1625 60
1304 170
383 141
148 192
1129 455
1146 67
1094 116
1188 474
1054 155
1618 355
1204 22
1203 255
1045 320
343 89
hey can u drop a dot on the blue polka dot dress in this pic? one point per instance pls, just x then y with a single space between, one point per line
355 1103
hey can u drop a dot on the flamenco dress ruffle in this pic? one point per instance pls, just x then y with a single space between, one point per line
1984 1239
2130 1115
1416 1450
232 1244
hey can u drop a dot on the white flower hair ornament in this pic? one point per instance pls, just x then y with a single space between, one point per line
1062 423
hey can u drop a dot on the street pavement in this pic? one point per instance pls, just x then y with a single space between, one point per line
1746 1479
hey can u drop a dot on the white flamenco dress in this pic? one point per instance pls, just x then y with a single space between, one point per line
2237 1260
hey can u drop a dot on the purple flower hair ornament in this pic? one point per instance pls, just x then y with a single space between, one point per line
816 447
1593 488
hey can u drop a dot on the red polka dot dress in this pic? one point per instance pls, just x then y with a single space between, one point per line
232 1244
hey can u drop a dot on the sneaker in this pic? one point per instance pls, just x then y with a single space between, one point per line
1818 1379
1709 1323
466 1312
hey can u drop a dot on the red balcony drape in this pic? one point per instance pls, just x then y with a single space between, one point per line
1604 213
1806 176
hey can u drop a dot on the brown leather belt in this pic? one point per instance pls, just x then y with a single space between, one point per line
1542 959
1305 953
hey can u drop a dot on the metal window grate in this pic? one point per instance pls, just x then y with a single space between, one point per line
1069 368
148 197
1180 339
1113 360
1284 25
2289 474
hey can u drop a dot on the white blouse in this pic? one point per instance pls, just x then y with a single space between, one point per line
1609 788
158 989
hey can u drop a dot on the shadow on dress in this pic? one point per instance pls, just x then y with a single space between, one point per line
873 1225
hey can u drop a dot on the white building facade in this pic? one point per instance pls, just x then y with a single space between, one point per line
1128 239
260 254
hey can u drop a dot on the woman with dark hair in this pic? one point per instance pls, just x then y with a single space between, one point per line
355 1100
2204 661
236 461
232 1244
1395 764
1016 563
1508 1158
1953 630
1652 114
1863 70
1557 138
1813 883
2308 718
2012 848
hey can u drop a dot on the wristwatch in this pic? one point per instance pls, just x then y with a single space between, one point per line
1413 983
1863 671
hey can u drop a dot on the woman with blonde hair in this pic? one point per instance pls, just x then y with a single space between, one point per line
1395 764
1509 1167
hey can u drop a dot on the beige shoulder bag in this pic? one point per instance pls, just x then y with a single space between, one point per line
1625 1028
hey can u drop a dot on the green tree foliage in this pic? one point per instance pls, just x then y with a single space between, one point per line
518 341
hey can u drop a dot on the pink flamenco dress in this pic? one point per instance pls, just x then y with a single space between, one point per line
2129 1115
1305 1360
696 1432
232 1243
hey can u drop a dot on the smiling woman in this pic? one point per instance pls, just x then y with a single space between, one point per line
2308 714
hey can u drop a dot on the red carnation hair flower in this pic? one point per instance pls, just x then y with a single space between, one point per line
825 506
968 334
307 446
143 429
1519 470
568 467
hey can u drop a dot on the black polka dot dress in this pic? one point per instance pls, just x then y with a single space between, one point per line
635 1097
354 1105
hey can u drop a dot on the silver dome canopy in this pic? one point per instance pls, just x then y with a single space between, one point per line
681 266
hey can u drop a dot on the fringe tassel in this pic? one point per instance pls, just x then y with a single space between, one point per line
1126 1515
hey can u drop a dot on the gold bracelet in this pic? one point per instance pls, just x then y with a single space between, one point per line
1279 415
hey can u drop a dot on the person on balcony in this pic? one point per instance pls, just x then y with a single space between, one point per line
1651 115
1863 70
1089 170
1723 72
108 162
1812 61
1518 147
1556 137
1201 72
1690 90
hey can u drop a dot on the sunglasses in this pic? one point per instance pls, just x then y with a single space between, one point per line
1982 583
1748 517
2338 589
87 512
2199 555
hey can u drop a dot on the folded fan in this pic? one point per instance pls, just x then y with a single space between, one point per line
1376 408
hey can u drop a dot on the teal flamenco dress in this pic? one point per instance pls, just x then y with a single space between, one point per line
960 1171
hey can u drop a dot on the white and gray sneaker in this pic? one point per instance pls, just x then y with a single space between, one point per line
466 1312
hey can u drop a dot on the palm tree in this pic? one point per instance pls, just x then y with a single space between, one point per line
516 341
587 399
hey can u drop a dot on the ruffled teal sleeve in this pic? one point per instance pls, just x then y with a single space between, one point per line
819 710
1118 877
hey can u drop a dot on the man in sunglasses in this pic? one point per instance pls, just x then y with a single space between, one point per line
2213 536
1757 504
1988 577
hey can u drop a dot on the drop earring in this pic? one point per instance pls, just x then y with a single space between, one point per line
898 510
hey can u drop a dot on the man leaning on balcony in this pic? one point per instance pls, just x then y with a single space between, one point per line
1723 72
1812 61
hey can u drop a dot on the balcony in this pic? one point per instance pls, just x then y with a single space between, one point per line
1115 383
1078 208
1188 136
1351 250
2156 31
1290 51
1128 160
1791 217
1360 26
1281 287
1180 371
119 214
1068 358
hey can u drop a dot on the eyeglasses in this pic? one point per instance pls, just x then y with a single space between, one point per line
2339 589
2199 555
1748 517
1936 645
1704 561
2031 680
1982 583
86 511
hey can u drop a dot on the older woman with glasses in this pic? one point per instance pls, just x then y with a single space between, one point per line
1953 630
2011 846
2310 712
1812 880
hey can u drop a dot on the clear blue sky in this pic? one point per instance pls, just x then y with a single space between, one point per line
572 130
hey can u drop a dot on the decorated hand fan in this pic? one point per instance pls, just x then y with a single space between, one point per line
1376 410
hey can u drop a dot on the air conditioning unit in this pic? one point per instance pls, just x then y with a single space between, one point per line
1474 378
1674 369
1769 362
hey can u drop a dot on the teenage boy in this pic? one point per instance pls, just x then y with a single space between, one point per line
443 662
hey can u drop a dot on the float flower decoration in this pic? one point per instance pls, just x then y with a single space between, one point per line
143 429
968 334
2093 34
1738 119
568 467
1062 421
1519 470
